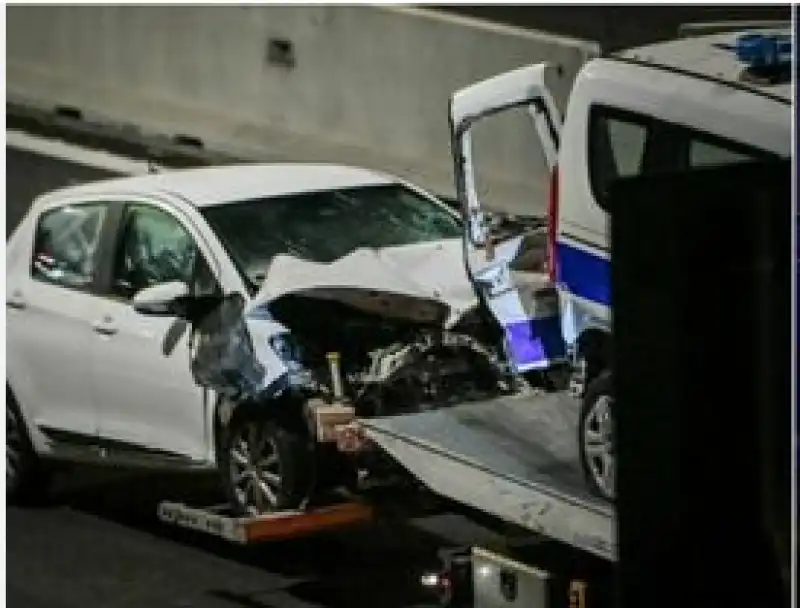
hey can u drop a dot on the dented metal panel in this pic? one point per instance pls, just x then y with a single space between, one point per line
233 353
244 350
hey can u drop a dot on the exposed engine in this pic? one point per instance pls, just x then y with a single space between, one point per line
381 365
386 365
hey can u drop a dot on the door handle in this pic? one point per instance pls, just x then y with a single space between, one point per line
105 327
104 330
16 300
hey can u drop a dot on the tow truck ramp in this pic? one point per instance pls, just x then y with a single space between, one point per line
514 458
218 521
511 458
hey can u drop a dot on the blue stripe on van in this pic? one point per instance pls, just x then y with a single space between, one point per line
587 275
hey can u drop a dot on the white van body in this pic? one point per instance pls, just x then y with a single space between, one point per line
666 107
690 90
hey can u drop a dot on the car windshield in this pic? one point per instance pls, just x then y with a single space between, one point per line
325 226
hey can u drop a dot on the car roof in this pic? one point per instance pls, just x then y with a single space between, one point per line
705 56
218 185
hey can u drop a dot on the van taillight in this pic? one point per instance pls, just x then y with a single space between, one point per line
552 225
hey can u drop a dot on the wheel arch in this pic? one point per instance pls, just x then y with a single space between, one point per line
35 436
594 344
18 389
285 411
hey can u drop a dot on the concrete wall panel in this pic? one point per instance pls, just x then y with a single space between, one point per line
369 85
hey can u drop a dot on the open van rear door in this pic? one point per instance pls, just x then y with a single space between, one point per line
525 304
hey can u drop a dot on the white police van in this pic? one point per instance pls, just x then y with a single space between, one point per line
707 99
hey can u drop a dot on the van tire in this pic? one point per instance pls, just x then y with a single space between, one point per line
596 436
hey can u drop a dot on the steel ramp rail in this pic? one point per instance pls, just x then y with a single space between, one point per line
514 458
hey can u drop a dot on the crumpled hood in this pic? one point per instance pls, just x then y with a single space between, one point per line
425 281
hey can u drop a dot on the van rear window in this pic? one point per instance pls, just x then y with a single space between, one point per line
625 144
616 149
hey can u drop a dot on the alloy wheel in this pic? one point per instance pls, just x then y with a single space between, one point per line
598 443
255 469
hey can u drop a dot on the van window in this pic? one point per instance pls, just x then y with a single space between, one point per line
616 149
703 154
625 144
627 141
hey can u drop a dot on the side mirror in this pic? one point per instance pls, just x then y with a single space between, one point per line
164 299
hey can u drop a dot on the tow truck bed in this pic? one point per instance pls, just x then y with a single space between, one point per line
514 458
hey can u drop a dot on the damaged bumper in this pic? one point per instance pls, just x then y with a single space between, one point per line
245 351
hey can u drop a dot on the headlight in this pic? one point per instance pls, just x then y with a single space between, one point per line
290 353
286 348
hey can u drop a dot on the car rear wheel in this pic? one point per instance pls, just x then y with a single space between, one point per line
27 478
265 467
596 436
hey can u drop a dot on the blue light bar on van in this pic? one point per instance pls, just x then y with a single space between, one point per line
761 51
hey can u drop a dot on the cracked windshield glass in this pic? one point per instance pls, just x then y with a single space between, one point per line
325 226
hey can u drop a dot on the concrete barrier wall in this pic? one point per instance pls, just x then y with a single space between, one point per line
369 85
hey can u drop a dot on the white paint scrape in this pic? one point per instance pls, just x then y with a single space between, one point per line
62 150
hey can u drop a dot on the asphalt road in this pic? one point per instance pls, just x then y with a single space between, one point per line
97 542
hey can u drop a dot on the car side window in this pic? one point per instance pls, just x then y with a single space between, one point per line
66 243
154 247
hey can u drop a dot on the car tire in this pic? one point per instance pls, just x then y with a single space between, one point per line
596 436
265 467
27 477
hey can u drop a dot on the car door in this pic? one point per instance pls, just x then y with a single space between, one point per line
51 305
148 402
525 307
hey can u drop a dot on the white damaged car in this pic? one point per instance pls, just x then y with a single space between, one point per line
191 319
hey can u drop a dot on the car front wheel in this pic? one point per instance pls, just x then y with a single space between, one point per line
265 467
596 436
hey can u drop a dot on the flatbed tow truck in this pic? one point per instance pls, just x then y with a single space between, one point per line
505 459
486 455
497 458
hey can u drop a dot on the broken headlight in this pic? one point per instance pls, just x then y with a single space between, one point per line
291 354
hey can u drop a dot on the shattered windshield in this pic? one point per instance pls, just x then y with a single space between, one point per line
325 226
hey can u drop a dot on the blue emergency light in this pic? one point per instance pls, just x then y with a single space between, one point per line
762 52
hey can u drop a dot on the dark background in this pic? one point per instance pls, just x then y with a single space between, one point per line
710 283
615 26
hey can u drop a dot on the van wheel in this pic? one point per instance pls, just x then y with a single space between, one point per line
264 467
596 436
27 477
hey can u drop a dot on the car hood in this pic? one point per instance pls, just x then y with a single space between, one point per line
424 282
